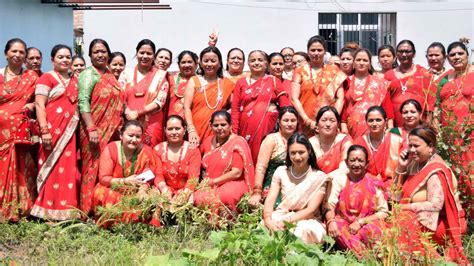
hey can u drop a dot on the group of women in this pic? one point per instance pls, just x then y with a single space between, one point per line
210 134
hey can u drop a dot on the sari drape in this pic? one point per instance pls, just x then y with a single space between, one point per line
177 89
107 102
208 99
419 86
254 112
296 197
334 158
58 176
181 174
218 161
111 167
356 201
456 104
319 89
359 98
451 221
17 167
153 88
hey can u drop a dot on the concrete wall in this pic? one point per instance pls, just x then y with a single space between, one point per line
270 25
39 25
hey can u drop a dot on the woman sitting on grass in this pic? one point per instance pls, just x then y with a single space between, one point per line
122 170
303 187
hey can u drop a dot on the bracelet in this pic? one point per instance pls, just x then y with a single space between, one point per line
191 129
330 221
91 128
44 130
400 173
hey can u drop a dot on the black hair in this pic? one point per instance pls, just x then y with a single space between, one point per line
392 51
356 147
407 42
58 47
223 113
378 109
146 42
301 138
166 50
325 109
461 45
230 51
78 57
275 54
183 122
286 109
129 123
215 50
439 45
29 49
303 54
115 54
191 54
369 54
426 133
319 39
11 42
97 41
414 102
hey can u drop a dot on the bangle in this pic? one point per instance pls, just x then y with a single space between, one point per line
44 130
330 221
191 129
91 128
400 173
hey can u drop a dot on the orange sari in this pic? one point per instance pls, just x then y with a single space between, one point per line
318 90
17 168
177 89
208 99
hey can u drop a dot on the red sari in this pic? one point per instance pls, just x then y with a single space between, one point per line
17 168
451 222
235 153
177 89
254 112
359 98
111 167
331 160
419 86
383 161
318 90
153 88
208 99
107 103
181 174
58 176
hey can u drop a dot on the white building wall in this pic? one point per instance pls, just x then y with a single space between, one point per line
39 25
270 25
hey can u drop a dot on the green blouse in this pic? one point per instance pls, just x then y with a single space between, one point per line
86 83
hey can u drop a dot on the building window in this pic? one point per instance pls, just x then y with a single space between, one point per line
369 30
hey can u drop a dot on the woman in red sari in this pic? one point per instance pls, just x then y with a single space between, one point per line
181 164
411 114
56 110
254 103
356 205
146 91
384 148
78 65
101 106
123 165
410 81
275 68
330 145
387 59
187 62
206 93
17 168
234 69
365 90
429 200
117 63
456 104
316 85
228 167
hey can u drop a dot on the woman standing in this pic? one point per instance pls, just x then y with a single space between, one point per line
235 65
117 63
163 59
187 63
254 103
145 93
347 59
365 90
303 187
316 85
206 93
275 68
410 81
228 167
181 163
78 64
101 106
429 200
384 148
356 205
436 56
273 153
58 118
17 168
456 103
288 53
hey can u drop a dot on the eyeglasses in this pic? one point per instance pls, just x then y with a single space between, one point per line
288 55
405 51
